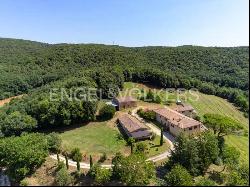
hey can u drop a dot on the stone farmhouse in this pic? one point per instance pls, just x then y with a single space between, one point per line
124 102
175 122
186 110
134 128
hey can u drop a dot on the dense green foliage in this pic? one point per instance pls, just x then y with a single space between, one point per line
25 65
54 142
76 155
195 154
146 114
238 176
62 177
21 155
178 176
133 170
99 174
202 181
37 68
222 125
15 123
107 112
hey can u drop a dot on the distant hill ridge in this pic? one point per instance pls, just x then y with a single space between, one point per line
25 64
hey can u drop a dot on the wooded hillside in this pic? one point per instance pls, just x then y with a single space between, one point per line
25 65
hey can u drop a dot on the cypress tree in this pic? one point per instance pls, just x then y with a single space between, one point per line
67 162
78 165
90 161
161 140
58 158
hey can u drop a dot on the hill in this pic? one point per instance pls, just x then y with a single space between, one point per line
26 64
34 68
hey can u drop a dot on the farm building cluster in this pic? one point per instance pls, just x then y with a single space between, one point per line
176 120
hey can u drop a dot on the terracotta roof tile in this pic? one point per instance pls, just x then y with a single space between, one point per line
177 118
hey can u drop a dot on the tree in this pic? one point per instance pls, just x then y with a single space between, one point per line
22 155
100 175
157 99
90 161
62 177
58 158
196 154
15 123
66 161
133 170
54 142
150 96
222 125
185 153
178 176
208 150
161 140
78 165
107 112
131 142
230 157
234 179
76 154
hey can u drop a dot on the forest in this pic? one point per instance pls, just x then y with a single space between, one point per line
33 68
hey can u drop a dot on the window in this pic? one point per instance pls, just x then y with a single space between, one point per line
195 127
190 128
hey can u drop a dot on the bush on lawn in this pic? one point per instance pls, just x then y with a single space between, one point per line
76 155
107 112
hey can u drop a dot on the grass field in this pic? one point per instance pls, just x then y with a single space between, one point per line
204 104
97 138
94 138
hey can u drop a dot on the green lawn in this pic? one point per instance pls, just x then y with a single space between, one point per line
207 104
97 138
155 148
93 138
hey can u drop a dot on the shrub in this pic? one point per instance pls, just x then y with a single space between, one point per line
76 155
107 112
54 142
147 115
141 147
100 175
103 157
62 177
24 183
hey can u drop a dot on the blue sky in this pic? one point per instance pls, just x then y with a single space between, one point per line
128 22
